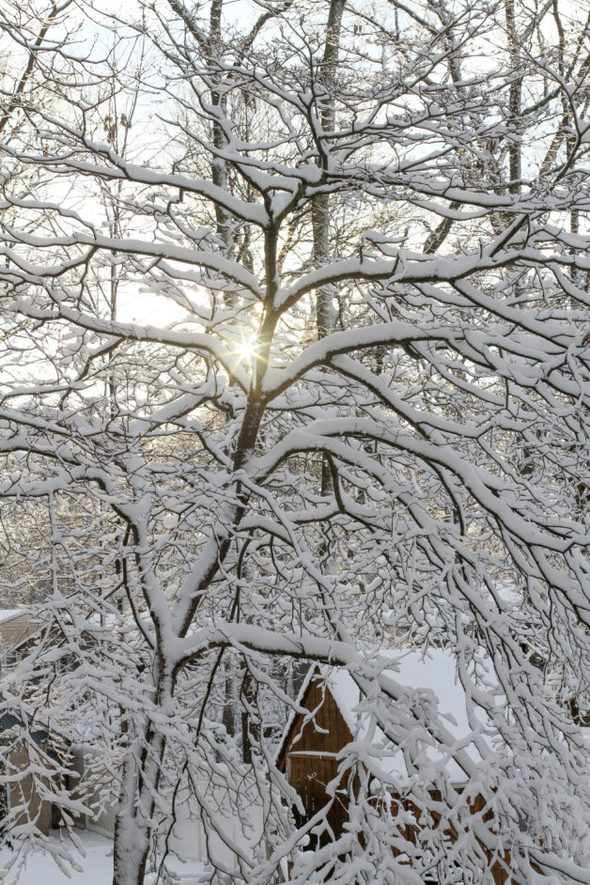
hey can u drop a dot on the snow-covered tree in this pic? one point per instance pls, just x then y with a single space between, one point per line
294 304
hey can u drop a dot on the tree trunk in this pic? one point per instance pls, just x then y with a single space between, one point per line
320 207
140 782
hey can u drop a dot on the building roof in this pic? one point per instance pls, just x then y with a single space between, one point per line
7 614
430 680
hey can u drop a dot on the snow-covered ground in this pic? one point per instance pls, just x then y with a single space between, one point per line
41 869
96 866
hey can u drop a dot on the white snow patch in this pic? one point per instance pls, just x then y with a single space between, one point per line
432 675
96 866
7 613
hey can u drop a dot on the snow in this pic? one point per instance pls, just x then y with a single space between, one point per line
6 614
434 671
449 399
431 676
96 866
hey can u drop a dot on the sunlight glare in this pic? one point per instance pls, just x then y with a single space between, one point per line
245 348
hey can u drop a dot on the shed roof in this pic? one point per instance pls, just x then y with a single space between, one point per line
429 678
6 614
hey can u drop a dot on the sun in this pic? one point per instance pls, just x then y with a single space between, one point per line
245 348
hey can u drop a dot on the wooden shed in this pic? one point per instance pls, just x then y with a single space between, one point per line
310 746
310 750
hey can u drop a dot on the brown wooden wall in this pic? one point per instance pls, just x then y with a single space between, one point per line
310 775
308 756
327 732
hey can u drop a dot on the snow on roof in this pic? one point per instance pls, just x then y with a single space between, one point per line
6 614
429 675
434 671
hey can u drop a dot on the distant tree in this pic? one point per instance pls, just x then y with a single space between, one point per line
341 404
